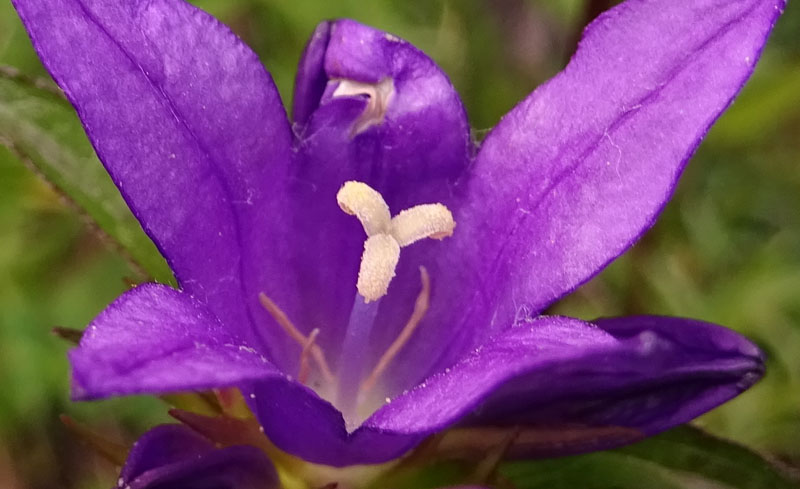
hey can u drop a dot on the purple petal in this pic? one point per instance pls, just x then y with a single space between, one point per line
571 177
587 386
422 141
311 77
284 409
640 375
299 422
190 127
412 153
170 456
448 396
162 445
155 339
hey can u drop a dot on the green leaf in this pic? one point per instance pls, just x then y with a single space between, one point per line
692 451
682 457
602 470
41 129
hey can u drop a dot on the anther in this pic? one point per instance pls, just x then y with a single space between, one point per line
283 321
387 235
420 308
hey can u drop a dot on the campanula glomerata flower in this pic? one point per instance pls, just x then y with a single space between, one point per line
366 273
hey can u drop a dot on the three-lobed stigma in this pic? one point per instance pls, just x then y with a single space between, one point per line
386 235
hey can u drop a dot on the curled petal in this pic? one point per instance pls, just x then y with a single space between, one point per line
570 386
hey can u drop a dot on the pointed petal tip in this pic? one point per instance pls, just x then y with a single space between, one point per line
604 142
153 340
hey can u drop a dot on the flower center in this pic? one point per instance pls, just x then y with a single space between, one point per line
386 235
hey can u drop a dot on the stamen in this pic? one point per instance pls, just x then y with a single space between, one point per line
420 308
380 94
305 366
378 263
362 201
422 221
283 321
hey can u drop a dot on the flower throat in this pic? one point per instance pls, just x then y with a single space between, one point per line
386 236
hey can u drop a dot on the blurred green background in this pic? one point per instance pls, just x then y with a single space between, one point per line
727 248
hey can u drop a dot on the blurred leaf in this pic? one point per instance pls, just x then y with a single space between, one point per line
41 129
432 476
766 104
682 457
690 450
603 470
114 452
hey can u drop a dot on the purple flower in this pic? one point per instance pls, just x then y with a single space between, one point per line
170 456
243 204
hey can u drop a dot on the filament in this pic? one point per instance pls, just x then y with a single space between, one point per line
420 308
283 321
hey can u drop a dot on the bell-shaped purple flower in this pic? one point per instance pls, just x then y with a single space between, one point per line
274 276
